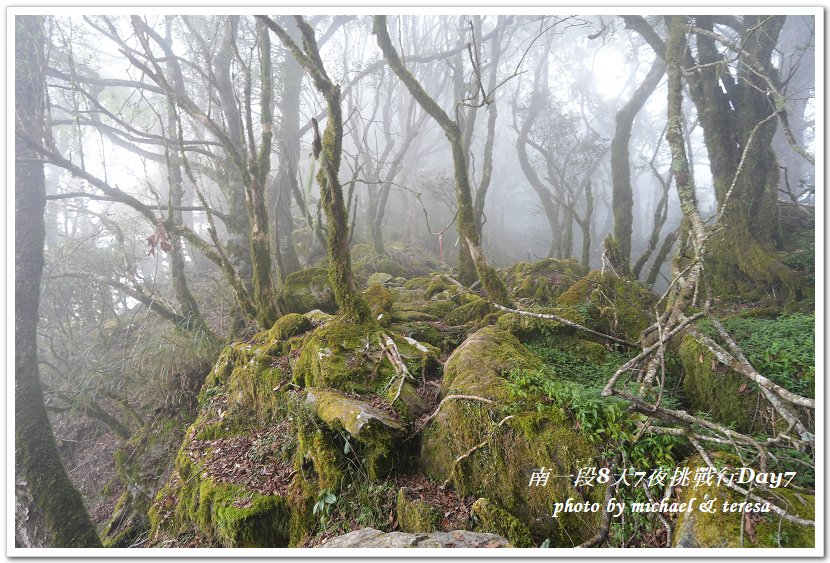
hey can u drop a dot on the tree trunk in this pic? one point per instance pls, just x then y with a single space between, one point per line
349 300
490 281
36 456
621 194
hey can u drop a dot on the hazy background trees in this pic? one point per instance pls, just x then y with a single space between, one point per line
181 189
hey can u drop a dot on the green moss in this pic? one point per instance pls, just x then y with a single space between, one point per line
723 529
501 469
417 283
479 365
373 429
489 518
318 447
349 357
613 305
306 290
440 284
416 516
525 327
380 300
542 281
475 310
334 356
716 389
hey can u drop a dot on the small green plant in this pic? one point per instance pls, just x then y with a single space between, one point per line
325 501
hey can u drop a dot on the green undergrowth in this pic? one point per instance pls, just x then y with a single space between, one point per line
782 349
572 378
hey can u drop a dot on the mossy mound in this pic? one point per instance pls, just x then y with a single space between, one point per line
526 327
542 281
276 338
613 305
472 312
306 290
350 357
416 516
375 429
716 389
380 300
494 520
697 529
397 260
230 514
479 365
514 444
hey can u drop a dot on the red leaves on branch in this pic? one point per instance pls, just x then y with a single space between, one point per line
159 240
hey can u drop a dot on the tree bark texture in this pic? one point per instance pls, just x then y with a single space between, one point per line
36 456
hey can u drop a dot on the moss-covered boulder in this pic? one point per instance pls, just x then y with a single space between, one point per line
358 418
543 281
526 327
276 338
379 278
231 514
488 517
490 449
716 389
306 290
375 430
380 300
351 357
612 304
732 528
416 516
479 365
473 311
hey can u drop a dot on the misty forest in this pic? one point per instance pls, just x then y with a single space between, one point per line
410 281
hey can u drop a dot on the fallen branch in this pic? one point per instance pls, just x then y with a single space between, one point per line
729 484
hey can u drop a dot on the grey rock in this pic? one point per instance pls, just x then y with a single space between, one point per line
369 537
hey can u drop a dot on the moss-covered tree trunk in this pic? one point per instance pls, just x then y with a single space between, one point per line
260 165
739 136
467 226
622 197
36 457
734 85
348 298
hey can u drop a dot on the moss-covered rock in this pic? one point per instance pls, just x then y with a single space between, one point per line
229 513
716 389
697 529
375 430
378 278
488 517
514 444
380 300
306 290
526 327
416 516
406 401
542 281
350 357
479 364
288 326
614 305
473 311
